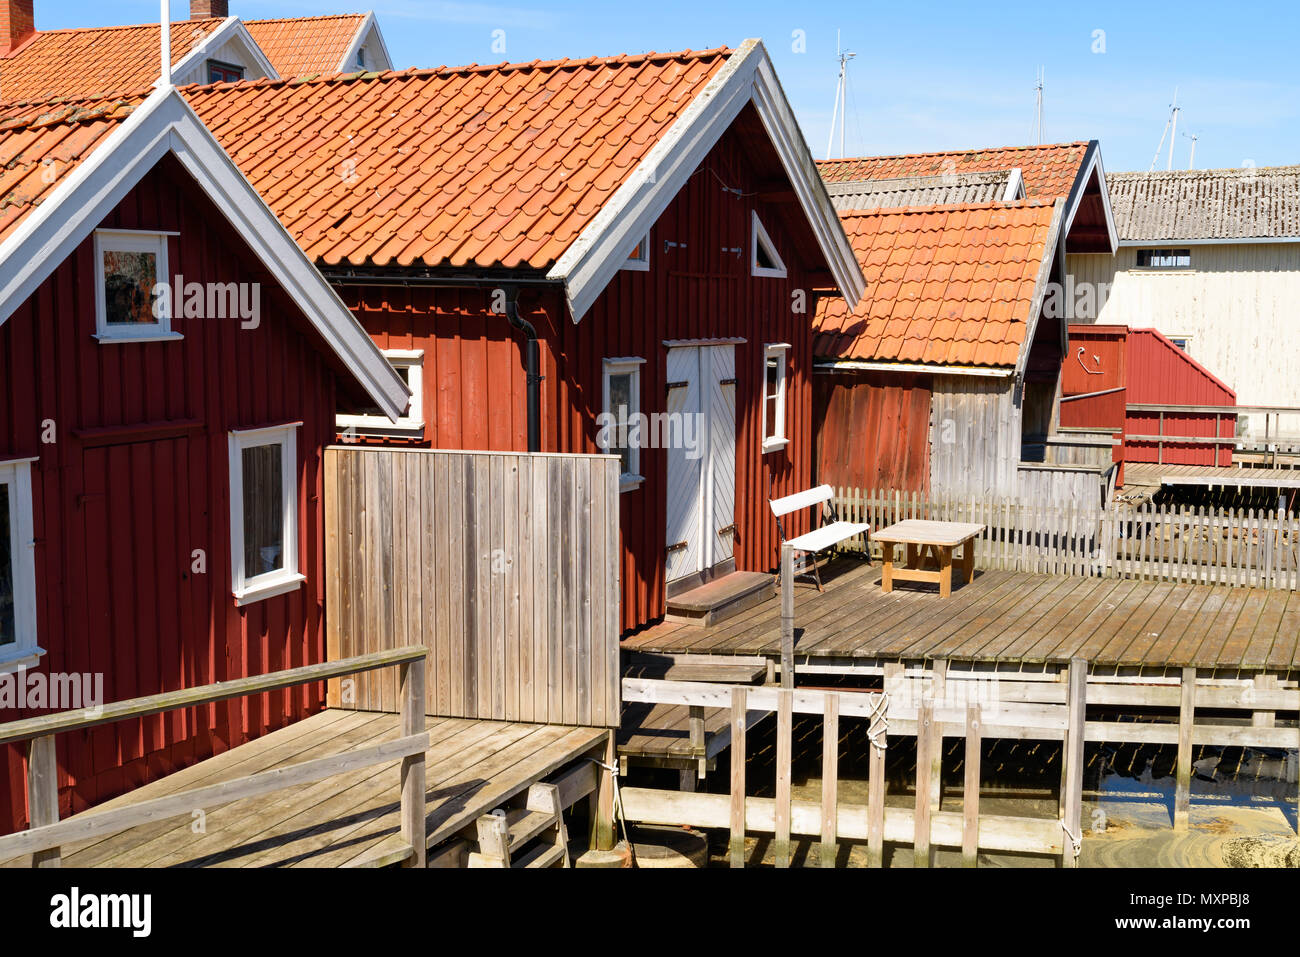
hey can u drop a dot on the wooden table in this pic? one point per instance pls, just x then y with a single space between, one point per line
923 539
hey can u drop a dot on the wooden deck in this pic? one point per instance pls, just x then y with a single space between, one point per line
1012 618
349 820
1153 476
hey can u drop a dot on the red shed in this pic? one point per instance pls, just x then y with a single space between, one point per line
648 230
160 454
1117 378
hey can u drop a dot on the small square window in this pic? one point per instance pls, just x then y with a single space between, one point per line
774 377
130 302
224 72
17 566
409 364
619 431
639 259
264 513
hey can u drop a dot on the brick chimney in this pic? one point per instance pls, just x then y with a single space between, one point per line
204 9
17 24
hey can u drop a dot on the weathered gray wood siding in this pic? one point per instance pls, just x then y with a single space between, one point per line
974 436
504 565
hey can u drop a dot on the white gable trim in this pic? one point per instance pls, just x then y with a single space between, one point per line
1092 161
369 28
166 123
598 253
232 29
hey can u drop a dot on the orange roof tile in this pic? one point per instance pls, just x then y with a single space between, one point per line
1049 170
304 46
968 307
39 146
484 165
94 61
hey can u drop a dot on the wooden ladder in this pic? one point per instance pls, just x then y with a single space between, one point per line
504 836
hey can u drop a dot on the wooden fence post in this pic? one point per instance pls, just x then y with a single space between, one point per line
830 779
970 800
787 616
1186 716
602 825
784 721
43 793
738 753
924 743
413 817
876 775
939 692
1072 755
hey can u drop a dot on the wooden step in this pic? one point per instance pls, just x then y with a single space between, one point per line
542 855
721 598
526 825
715 669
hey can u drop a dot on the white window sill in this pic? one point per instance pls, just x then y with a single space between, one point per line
628 483
270 588
774 445
106 338
11 661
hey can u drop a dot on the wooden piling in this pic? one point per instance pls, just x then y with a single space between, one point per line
830 779
1183 786
1072 757
43 794
736 848
784 728
970 799
924 745
787 616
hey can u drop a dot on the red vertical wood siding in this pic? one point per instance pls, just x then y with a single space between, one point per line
116 524
1161 373
474 391
872 430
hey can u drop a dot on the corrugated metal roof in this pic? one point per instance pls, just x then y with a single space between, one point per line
1207 204
919 190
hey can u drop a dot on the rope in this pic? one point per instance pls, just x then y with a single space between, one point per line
1076 843
878 729
618 805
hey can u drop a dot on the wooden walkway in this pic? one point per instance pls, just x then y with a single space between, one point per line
351 820
1149 475
1013 618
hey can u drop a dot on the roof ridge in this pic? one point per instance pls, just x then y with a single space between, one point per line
1195 173
949 207
952 152
320 16
475 68
125 26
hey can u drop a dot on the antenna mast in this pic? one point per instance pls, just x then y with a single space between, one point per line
1038 105
841 103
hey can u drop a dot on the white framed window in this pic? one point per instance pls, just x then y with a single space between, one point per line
409 364
774 379
1164 259
17 567
130 266
638 259
264 513
1182 342
763 257
619 426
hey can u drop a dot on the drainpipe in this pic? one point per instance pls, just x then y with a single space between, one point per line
531 376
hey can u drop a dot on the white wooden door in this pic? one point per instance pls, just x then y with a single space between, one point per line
701 474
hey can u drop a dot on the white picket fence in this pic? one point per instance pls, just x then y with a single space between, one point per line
1246 547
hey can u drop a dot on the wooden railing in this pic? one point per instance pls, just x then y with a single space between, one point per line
47 833
1245 547
1272 441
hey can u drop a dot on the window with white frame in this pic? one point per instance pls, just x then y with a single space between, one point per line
619 432
1164 259
130 268
17 565
774 376
763 257
409 364
639 259
264 513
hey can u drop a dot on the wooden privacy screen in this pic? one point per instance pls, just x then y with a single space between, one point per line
503 565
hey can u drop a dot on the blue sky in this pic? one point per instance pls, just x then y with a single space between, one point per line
927 76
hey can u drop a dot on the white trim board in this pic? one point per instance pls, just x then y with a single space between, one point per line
598 253
165 123
232 29
368 27
1092 161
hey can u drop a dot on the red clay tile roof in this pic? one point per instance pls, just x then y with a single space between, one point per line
491 166
39 146
94 61
946 285
1049 170
304 46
